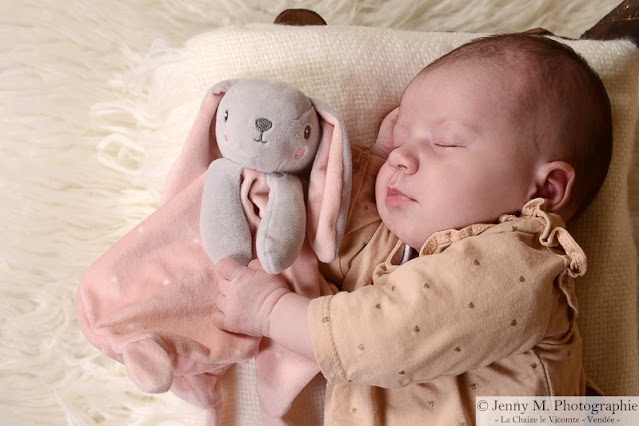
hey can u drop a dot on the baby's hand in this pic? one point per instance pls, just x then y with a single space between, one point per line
247 297
384 144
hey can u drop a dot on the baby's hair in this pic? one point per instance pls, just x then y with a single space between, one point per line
562 88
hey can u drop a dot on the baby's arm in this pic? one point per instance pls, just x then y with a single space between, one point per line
443 314
429 318
259 304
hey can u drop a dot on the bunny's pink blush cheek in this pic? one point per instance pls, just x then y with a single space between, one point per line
226 138
299 152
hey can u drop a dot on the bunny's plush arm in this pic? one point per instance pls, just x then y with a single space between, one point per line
283 228
223 226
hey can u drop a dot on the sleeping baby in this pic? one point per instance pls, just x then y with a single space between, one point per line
456 269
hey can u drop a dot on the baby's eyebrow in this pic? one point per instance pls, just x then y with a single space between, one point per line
448 123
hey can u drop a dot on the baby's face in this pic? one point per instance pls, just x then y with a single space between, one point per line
459 157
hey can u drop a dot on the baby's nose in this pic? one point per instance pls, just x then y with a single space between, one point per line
263 124
402 160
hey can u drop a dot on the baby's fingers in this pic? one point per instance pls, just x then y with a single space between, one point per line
222 318
219 319
228 268
256 265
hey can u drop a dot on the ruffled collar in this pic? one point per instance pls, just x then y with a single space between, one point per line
533 219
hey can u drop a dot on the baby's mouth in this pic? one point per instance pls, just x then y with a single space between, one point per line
395 197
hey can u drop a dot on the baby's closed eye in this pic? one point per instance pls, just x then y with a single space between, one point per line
448 144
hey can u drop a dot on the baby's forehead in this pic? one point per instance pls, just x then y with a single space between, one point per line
515 83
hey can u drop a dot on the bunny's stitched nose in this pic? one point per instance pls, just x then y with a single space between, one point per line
263 124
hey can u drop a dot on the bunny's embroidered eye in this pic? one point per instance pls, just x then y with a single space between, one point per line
307 132
226 116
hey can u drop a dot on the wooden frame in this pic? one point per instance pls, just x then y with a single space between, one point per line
622 22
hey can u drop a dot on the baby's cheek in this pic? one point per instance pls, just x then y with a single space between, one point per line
380 192
380 186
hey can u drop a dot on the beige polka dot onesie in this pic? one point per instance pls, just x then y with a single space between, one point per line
486 310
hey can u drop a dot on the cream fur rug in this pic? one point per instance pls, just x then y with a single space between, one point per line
65 66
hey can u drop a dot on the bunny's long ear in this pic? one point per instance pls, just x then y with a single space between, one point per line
200 147
330 186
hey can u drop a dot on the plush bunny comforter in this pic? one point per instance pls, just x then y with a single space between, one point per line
147 302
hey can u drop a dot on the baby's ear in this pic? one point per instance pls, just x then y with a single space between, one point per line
554 182
384 144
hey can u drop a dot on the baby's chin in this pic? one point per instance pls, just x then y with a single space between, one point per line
407 237
396 226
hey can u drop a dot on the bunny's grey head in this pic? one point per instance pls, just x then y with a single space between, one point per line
267 125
